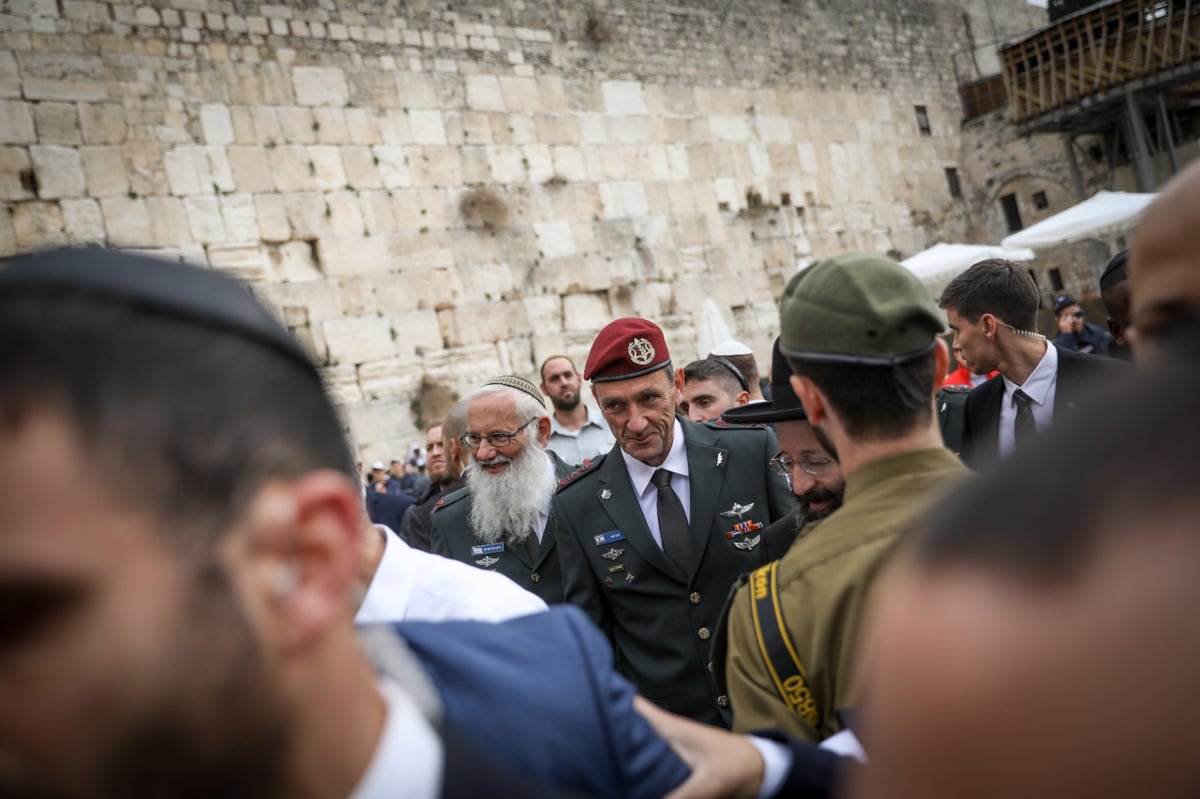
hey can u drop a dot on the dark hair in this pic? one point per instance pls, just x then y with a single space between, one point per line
542 368
1115 271
714 370
876 402
183 420
994 286
747 366
1115 467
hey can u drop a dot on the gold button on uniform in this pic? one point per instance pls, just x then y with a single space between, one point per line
722 701
537 578
695 598
703 633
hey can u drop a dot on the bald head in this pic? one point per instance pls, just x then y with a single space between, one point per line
1164 264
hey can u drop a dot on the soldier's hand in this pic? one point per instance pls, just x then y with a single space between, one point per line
723 764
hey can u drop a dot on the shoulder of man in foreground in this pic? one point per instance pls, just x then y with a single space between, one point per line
590 465
559 711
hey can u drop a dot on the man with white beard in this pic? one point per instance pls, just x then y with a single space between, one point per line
502 520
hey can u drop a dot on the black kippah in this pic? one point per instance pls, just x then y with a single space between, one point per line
1115 271
171 289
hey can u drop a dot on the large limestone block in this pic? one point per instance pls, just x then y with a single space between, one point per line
48 75
168 222
15 172
393 167
554 239
83 222
216 124
427 127
359 166
521 95
391 294
623 98
320 86
297 124
290 168
569 163
325 163
308 214
545 313
484 93
362 127
205 220
251 169
377 213
57 123
240 218
127 222
188 171
585 312
345 218
390 379
245 262
102 123
436 166
331 125
8 237
10 76
359 340
105 170
417 332
272 213
296 262
359 254
474 323
416 90
59 172
505 164
37 226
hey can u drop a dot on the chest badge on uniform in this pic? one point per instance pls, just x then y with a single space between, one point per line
608 582
720 458
737 511
606 494
620 567
611 537
744 529
613 553
487 551
629 578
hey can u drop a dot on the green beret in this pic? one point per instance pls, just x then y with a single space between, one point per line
858 308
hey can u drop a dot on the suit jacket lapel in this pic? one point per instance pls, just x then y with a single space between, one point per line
985 422
706 467
626 514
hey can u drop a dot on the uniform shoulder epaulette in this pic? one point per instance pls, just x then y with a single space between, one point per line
721 424
589 464
957 388
451 498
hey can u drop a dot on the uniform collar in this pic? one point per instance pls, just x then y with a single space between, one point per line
676 462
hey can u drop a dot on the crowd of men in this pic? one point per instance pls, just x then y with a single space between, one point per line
682 586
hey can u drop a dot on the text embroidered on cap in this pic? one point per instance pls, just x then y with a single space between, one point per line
641 351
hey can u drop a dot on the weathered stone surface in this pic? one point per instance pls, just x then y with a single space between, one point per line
205 221
59 172
56 123
16 122
37 226
16 174
320 86
105 170
359 340
217 124
127 222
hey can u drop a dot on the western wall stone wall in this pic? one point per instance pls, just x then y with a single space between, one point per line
433 192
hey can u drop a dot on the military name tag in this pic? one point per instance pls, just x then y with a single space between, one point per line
611 537
487 549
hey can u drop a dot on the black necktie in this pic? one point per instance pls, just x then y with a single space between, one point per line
672 521
1024 428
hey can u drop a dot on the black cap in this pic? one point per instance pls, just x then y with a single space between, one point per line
784 405
171 289
1062 302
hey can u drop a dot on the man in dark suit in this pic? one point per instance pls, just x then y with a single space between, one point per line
653 533
386 509
503 519
992 309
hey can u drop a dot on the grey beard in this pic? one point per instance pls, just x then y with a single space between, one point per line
505 507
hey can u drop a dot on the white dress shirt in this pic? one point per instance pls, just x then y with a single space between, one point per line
411 585
575 446
408 759
640 474
1040 387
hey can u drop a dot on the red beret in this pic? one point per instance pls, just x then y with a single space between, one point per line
626 348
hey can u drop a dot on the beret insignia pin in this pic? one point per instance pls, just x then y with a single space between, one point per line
641 351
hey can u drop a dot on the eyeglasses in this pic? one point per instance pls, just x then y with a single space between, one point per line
783 464
496 440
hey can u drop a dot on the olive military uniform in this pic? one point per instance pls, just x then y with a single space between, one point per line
531 565
828 570
658 618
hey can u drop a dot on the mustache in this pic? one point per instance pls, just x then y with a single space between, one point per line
496 461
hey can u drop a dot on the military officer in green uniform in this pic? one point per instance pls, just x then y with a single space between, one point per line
653 533
861 335
502 520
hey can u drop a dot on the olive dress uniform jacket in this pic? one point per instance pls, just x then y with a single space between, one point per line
537 571
658 618
822 585
1077 376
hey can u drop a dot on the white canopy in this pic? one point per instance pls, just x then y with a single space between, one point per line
1105 216
938 265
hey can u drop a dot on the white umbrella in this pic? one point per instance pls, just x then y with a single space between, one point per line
938 265
1106 215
